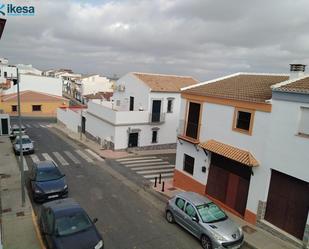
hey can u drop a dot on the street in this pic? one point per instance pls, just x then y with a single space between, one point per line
128 218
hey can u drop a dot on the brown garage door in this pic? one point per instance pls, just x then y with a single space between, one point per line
288 203
228 181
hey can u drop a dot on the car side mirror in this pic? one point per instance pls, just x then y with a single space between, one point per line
195 219
95 220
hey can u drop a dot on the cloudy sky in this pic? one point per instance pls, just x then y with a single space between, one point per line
202 38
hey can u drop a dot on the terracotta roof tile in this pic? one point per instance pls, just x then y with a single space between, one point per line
165 83
241 86
100 95
28 96
239 155
297 86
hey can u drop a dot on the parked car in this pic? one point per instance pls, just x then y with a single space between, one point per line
205 220
26 145
65 225
14 131
47 182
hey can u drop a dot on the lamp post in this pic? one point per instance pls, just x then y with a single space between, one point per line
21 159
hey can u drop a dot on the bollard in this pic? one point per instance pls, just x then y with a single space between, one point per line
163 186
160 179
155 185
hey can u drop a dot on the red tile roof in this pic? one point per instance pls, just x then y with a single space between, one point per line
29 96
296 86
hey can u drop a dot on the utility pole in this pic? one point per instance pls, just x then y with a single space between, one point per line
21 161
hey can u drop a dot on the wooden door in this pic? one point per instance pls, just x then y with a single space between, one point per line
288 203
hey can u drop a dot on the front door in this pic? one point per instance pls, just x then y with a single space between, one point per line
288 203
133 140
83 125
4 126
156 111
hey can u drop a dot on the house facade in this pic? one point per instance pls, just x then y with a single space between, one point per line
142 114
32 104
229 146
7 74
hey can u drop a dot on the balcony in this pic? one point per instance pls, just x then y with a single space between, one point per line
188 131
156 118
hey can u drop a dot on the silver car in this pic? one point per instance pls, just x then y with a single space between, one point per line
27 145
205 220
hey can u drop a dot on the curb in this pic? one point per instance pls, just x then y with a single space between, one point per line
37 229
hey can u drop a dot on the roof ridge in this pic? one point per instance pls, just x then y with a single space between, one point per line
31 91
158 74
287 82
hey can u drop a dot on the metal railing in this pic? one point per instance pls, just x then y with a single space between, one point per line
155 118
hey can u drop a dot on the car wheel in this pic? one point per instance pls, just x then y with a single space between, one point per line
206 242
169 217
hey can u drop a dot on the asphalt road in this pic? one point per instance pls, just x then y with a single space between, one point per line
127 219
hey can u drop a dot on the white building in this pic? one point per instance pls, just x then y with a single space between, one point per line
28 69
91 84
143 112
38 83
7 74
247 149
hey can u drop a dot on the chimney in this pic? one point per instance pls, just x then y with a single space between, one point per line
297 71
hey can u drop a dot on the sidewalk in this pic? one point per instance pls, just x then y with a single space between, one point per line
255 237
18 227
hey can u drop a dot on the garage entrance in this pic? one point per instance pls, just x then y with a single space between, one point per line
228 181
288 203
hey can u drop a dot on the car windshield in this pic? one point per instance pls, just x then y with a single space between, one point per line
48 174
24 141
210 212
73 223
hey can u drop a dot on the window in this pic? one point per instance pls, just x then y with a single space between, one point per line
188 164
304 121
49 221
243 120
180 203
190 210
5 74
169 105
36 108
193 120
14 108
154 137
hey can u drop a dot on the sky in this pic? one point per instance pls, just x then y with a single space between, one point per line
201 38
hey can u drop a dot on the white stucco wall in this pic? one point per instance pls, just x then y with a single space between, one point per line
11 72
96 83
135 88
38 83
71 118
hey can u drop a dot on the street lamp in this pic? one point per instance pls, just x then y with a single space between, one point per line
21 161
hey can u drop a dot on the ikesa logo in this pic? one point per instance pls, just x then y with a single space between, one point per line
16 10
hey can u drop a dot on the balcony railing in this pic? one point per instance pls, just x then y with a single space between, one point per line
155 118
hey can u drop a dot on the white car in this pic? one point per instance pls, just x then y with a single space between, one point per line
27 145
15 131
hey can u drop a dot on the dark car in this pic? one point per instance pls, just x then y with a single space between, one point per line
65 225
47 182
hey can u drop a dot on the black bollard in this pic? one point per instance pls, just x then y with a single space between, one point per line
163 186
155 185
160 179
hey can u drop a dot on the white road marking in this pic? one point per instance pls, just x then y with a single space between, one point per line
29 126
60 159
84 156
43 126
47 157
95 155
26 168
72 157
134 158
34 158
154 167
142 161
158 171
145 164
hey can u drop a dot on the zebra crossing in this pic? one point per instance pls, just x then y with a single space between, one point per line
63 158
149 167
